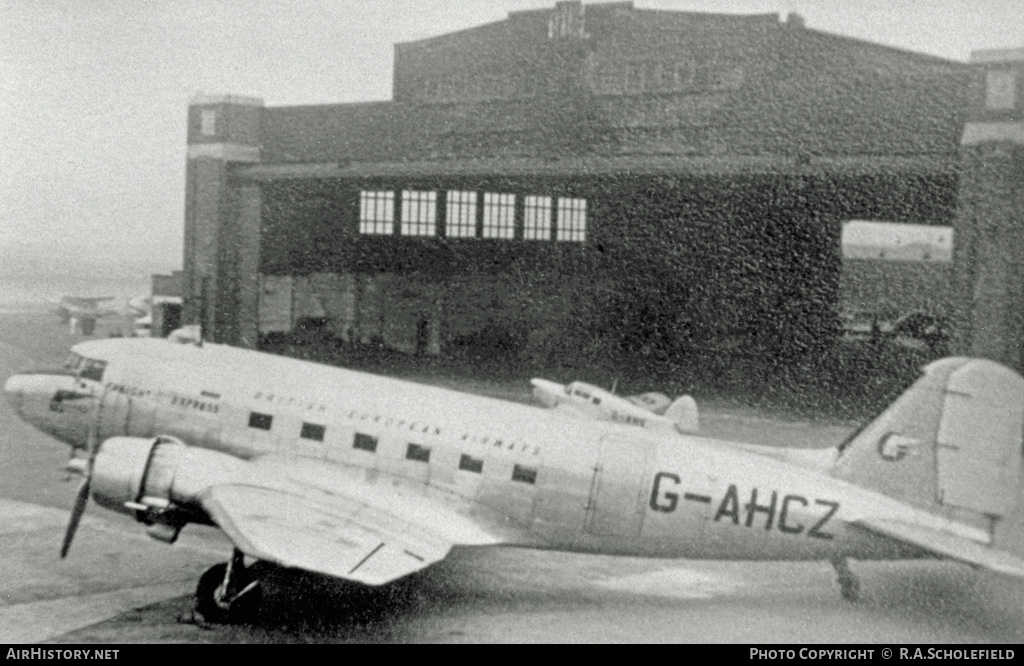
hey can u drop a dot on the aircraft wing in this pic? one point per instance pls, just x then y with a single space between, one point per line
947 545
354 531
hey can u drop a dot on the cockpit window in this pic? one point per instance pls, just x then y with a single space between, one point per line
86 368
93 370
72 361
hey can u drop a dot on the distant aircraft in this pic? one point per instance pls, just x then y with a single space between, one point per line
81 313
649 410
369 479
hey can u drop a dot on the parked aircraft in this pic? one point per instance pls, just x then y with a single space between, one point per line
82 312
649 410
369 478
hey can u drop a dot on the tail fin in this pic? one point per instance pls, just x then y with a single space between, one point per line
685 415
952 443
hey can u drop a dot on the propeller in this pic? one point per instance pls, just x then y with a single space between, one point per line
82 495
81 498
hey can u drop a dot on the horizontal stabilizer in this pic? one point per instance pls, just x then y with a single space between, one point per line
947 545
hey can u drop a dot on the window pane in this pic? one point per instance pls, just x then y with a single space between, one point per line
524 474
471 464
376 212
537 218
418 453
499 215
461 216
364 442
208 122
419 213
261 421
572 219
93 370
313 431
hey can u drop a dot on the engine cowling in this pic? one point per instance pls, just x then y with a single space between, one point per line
150 477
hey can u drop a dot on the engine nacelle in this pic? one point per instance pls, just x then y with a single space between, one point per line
149 477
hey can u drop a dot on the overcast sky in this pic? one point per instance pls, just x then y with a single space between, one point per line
94 93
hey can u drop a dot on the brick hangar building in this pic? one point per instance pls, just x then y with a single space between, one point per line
591 179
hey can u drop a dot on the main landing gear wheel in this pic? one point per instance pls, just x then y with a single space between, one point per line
228 593
849 584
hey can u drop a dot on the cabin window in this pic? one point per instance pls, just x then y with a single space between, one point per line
313 431
524 474
260 421
364 442
468 463
418 453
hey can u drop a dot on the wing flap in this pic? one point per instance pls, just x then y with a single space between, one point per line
340 537
945 544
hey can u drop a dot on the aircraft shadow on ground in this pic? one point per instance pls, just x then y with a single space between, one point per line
947 594
298 606
304 607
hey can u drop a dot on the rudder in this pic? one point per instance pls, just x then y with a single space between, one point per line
685 414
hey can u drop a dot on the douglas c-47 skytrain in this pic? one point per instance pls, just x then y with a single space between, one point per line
370 479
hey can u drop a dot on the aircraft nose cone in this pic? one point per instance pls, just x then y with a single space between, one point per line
13 389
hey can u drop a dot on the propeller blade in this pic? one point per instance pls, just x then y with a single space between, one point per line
81 498
91 441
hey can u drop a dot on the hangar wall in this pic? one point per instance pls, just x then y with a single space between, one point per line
717 156
989 256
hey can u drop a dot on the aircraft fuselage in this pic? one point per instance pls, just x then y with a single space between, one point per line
539 479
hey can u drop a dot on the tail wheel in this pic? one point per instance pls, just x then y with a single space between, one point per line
849 584
849 588
217 606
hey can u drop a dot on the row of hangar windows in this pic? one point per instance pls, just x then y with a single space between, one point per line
416 452
470 214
